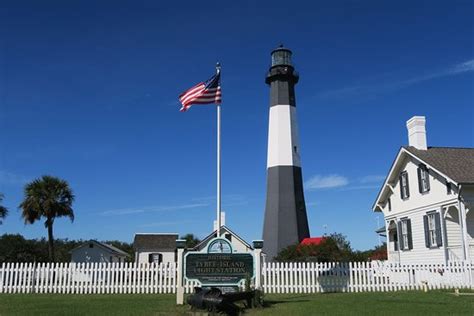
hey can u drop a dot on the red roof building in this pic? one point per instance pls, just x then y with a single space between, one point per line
312 241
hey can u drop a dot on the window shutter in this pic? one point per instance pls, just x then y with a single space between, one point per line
439 239
410 240
401 186
420 181
400 236
150 258
427 232
408 186
395 241
427 180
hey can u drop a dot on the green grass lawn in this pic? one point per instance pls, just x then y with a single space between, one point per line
394 303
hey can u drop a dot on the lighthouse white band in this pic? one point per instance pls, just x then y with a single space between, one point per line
283 144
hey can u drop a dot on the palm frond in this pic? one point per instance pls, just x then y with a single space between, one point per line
47 197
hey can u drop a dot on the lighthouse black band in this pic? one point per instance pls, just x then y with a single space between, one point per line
286 221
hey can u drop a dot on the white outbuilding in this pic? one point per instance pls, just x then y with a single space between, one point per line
155 248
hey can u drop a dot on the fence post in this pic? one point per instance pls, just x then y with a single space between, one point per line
180 244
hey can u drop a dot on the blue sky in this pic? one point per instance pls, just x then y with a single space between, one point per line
88 93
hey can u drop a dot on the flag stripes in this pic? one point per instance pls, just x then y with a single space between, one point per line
203 93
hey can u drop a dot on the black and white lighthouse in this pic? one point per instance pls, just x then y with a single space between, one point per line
286 222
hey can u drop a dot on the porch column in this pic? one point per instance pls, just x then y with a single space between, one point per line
462 224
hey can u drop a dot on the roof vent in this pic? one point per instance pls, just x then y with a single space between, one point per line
417 132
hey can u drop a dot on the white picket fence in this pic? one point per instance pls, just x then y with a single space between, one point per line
113 278
89 278
376 276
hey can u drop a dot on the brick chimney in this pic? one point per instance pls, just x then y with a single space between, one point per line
417 132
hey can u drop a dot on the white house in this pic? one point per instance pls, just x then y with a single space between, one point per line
238 244
94 251
155 248
427 201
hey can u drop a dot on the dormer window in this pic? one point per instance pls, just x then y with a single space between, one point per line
423 179
404 188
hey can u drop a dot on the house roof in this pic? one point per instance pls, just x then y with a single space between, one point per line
456 163
113 248
381 231
213 234
155 242
108 247
312 241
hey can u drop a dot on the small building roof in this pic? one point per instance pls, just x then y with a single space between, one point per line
456 163
312 241
107 247
153 242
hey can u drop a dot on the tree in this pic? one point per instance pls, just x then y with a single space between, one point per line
47 197
3 210
191 240
15 248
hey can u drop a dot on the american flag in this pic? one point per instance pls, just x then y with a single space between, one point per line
202 93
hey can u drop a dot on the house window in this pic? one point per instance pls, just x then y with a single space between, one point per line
432 229
432 222
423 179
404 189
228 237
404 234
91 245
155 258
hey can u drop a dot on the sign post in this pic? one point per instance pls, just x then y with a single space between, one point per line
257 246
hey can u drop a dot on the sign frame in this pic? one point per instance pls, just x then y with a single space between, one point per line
207 250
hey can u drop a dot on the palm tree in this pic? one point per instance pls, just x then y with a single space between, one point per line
47 197
3 210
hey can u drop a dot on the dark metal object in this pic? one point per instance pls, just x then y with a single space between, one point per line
213 300
257 244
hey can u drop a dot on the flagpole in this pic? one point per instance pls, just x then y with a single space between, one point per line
218 70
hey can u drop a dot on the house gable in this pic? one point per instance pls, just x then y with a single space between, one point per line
409 162
94 251
109 249
237 242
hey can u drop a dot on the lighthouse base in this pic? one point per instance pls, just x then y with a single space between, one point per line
286 221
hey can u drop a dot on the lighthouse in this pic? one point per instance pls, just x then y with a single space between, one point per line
285 222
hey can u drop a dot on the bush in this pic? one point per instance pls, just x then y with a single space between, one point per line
333 248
